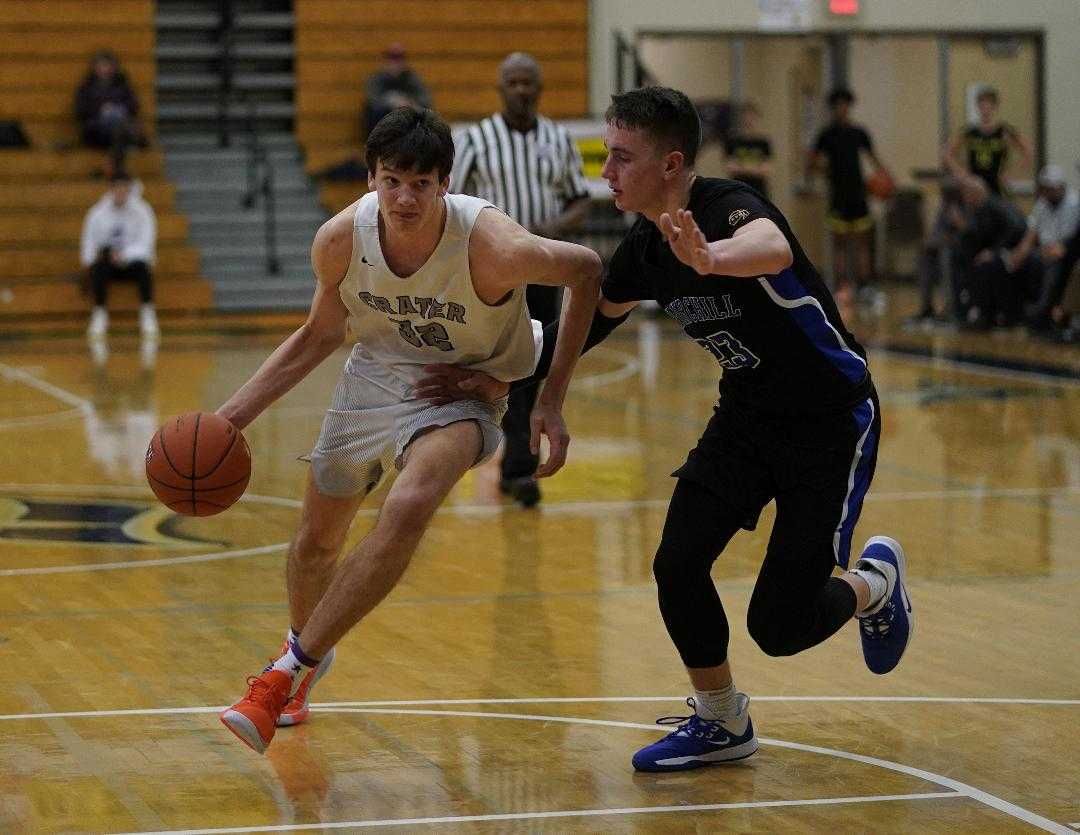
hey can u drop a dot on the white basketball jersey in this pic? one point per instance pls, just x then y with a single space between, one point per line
433 315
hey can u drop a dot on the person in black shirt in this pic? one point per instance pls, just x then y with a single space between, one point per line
990 227
985 145
748 152
839 147
106 109
798 422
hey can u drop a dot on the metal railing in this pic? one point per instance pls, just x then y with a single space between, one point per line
628 66
226 35
260 182
260 166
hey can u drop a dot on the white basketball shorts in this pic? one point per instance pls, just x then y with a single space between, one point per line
371 421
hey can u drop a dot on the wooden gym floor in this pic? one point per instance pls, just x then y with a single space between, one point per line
504 685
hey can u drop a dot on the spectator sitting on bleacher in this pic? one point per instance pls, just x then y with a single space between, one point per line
940 256
1052 226
119 237
989 229
106 107
395 85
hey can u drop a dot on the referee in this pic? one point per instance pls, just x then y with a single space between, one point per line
530 168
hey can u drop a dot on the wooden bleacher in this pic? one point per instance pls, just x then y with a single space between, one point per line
45 191
455 46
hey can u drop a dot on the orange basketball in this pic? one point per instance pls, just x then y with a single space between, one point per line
881 185
198 464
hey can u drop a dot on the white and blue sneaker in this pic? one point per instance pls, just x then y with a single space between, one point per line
886 629
699 742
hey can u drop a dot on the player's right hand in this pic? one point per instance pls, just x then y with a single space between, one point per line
687 241
443 384
547 420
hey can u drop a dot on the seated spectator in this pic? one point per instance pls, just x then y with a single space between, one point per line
395 85
106 107
1052 228
119 237
747 151
940 255
988 230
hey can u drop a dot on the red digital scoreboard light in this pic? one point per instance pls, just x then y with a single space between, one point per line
844 7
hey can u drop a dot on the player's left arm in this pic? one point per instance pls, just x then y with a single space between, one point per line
754 249
507 258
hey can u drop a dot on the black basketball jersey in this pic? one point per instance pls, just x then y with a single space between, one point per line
987 154
779 338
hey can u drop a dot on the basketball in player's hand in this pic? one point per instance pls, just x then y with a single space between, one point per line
198 464
881 185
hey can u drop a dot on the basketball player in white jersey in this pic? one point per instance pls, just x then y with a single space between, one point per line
419 276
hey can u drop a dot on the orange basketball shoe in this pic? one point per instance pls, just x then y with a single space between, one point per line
254 717
296 711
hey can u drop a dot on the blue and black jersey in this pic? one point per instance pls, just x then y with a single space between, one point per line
780 340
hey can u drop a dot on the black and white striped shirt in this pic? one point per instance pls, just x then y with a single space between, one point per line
530 176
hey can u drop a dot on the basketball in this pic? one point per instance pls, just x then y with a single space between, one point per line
198 464
881 185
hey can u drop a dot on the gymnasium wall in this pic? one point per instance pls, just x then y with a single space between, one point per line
1058 19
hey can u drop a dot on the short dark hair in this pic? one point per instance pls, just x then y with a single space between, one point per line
663 113
841 94
987 93
120 176
411 139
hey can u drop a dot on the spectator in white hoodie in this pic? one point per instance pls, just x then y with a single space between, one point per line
119 237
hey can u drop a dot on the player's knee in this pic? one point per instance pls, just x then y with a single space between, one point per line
770 632
672 567
317 545
408 509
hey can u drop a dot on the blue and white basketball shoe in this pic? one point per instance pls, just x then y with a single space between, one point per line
699 742
886 629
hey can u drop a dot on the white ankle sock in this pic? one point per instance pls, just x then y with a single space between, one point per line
878 583
291 665
722 704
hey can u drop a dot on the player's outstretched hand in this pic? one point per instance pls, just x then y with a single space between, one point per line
687 241
547 420
443 384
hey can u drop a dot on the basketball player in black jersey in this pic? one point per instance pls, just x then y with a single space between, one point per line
797 422
985 145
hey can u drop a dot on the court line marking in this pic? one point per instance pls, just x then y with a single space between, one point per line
330 707
549 508
976 794
41 419
115 566
572 813
18 375
957 786
974 367
63 395
141 493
